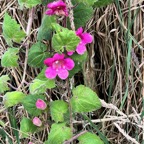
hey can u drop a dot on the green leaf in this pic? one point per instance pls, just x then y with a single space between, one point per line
39 86
41 83
66 39
84 99
102 3
101 135
27 127
10 57
58 28
58 134
45 2
58 108
29 3
89 138
41 75
76 69
3 83
12 31
87 2
29 104
37 54
82 13
45 30
13 98
79 58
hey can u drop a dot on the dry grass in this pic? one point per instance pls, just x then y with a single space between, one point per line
106 71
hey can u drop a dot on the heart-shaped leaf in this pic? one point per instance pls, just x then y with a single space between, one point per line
12 31
59 133
89 138
3 83
58 108
65 40
37 54
29 103
84 99
10 57
26 127
13 98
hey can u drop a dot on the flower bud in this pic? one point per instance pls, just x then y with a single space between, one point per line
36 121
40 104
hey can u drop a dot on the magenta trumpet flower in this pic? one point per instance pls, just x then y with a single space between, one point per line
57 8
85 39
58 65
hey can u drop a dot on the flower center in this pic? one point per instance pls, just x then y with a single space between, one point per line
59 11
59 64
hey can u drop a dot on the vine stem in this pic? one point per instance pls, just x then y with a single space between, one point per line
75 137
70 108
28 30
71 17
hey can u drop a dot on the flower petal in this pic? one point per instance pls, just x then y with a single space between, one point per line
81 48
69 64
60 13
50 73
63 74
49 12
48 61
55 4
58 56
70 53
87 38
79 31
58 8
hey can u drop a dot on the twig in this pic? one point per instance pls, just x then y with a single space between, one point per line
12 86
125 134
21 132
2 110
31 12
112 118
70 107
74 137
7 7
28 30
111 106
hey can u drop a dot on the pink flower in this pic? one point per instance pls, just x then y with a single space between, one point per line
40 104
58 65
36 121
70 53
30 143
85 39
57 8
